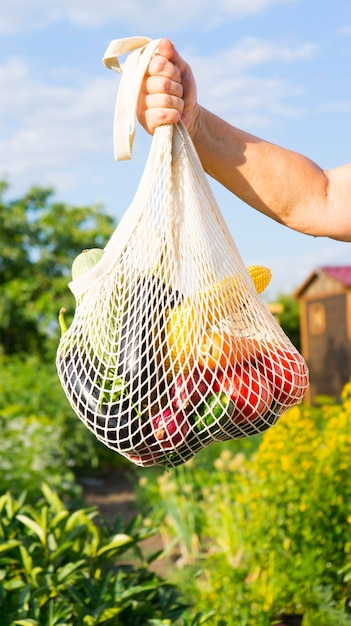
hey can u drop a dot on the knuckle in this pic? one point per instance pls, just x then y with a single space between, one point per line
157 65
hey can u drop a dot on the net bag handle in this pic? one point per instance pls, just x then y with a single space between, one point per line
141 50
168 143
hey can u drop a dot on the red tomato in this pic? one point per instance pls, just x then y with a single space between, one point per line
287 373
249 391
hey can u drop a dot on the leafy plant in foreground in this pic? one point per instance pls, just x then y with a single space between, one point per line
61 567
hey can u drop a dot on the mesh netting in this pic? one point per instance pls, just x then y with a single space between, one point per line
171 347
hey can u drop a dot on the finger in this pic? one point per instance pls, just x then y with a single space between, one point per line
158 117
160 66
162 85
168 50
164 101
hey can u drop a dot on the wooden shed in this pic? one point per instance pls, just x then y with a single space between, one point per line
325 300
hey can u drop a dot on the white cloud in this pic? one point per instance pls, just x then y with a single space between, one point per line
55 131
250 52
20 15
232 85
253 102
48 131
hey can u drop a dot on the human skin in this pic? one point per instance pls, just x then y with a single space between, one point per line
280 183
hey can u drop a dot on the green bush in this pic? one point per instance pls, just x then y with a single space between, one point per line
30 387
60 567
30 390
30 454
269 532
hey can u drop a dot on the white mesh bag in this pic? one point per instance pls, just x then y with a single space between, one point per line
171 347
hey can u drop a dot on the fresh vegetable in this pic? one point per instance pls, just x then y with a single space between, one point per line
181 331
221 350
124 432
287 374
140 359
62 321
190 389
170 428
261 277
249 391
109 413
216 412
230 292
217 350
80 389
85 261
206 309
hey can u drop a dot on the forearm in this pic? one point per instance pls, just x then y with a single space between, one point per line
278 182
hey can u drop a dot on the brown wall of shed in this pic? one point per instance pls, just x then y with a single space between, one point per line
328 351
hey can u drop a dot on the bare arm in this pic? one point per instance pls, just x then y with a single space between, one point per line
278 182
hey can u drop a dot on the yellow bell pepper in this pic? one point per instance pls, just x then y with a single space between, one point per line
204 309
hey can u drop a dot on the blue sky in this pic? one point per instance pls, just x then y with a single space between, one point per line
277 68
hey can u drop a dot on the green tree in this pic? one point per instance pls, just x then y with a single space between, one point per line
289 318
39 239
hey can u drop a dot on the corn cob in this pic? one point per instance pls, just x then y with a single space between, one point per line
261 277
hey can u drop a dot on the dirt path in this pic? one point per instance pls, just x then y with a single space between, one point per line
113 495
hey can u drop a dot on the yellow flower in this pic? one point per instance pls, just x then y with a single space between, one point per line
286 463
286 543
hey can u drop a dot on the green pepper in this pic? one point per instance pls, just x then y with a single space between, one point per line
215 411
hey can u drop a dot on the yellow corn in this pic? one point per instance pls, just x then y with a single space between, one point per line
261 277
180 336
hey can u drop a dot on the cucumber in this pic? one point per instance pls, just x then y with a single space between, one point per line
215 411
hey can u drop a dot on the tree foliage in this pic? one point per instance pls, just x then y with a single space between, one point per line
289 318
39 239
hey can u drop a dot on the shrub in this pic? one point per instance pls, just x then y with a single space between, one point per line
30 390
60 567
30 452
30 387
268 533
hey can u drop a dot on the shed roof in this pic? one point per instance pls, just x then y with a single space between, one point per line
340 273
